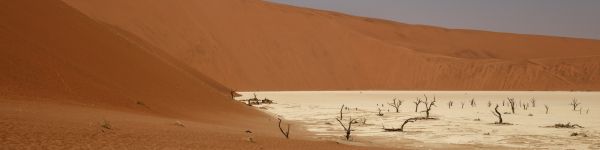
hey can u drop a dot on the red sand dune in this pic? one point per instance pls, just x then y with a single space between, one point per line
66 66
63 74
256 45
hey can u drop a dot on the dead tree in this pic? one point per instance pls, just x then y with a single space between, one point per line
428 106
489 103
347 129
574 103
473 104
503 102
287 132
533 102
587 111
546 108
396 105
511 102
525 106
401 129
379 113
417 102
407 121
450 104
497 114
341 112
462 105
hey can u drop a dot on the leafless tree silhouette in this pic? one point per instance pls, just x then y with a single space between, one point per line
428 106
401 129
287 132
511 102
575 103
417 102
347 129
497 114
396 104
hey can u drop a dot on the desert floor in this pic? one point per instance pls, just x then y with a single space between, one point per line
455 126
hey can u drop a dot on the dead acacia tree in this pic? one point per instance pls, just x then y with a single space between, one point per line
428 106
511 102
401 129
533 102
546 108
379 113
407 121
497 114
489 103
450 103
347 129
587 111
417 102
473 104
462 105
396 104
287 132
575 103
525 106
341 112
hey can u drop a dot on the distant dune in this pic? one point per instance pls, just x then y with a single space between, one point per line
257 45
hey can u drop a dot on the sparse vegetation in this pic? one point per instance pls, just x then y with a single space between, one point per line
348 128
428 106
575 103
587 111
567 125
396 104
525 106
379 112
497 114
287 132
417 102
401 129
579 134
511 102
341 112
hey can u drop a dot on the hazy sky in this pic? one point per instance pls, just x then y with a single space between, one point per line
571 18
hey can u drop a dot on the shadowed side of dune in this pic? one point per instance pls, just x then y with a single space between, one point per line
52 51
69 82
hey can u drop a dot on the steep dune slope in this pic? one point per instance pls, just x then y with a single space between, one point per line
256 45
61 52
69 82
